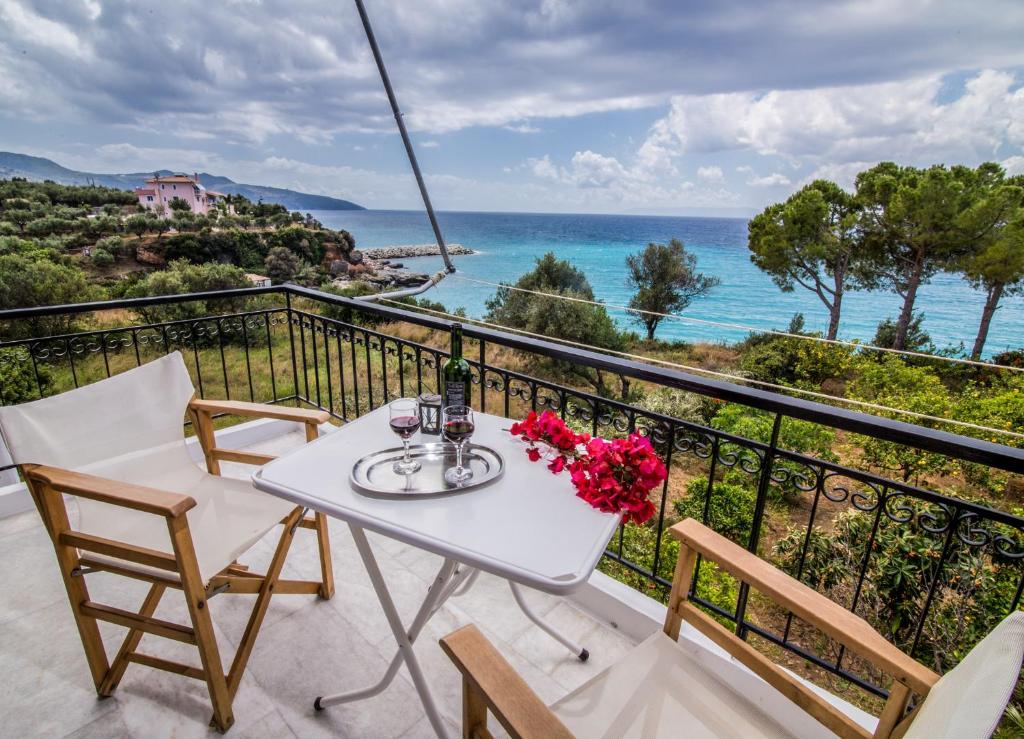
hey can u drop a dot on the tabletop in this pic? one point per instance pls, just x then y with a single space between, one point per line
527 526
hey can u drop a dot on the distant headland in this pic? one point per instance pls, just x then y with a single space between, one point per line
38 169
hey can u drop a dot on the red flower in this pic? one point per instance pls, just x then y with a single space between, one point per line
612 476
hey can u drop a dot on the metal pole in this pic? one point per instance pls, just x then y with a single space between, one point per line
405 135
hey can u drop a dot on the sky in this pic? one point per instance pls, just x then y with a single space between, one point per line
649 106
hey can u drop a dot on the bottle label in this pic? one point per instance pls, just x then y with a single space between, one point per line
455 393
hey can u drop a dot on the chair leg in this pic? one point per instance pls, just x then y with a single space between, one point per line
206 639
131 642
326 567
55 518
262 602
474 711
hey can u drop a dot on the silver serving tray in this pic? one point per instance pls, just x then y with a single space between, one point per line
373 474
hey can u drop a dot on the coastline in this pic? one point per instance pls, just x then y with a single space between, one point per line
507 245
406 251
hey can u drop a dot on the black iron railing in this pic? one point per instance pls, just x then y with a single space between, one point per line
308 347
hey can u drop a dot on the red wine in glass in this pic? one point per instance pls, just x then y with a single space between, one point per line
458 426
458 431
405 426
404 419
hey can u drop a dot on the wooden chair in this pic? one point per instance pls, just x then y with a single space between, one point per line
147 511
664 688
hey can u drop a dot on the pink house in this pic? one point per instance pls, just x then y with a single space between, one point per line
158 192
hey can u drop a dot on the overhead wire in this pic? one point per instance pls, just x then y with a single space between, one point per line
714 373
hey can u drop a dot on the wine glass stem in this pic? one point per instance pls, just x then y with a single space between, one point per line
405 458
458 457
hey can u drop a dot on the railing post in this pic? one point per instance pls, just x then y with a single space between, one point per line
483 376
755 526
291 341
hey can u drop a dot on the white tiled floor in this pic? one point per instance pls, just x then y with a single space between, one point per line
307 646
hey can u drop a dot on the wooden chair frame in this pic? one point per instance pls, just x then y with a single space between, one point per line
491 684
47 486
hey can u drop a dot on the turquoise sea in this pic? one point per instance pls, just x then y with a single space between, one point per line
598 244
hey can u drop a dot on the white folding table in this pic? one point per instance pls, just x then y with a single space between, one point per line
527 527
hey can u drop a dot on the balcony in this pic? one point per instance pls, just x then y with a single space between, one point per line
844 530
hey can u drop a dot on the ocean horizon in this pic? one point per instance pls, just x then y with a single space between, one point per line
509 243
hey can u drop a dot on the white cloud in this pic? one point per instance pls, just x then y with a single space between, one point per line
459 63
51 36
593 181
710 174
1014 164
775 179
522 128
543 168
590 169
430 144
834 125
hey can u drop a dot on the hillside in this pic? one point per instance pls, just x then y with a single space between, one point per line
39 169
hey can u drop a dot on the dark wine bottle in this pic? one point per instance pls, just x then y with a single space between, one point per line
456 379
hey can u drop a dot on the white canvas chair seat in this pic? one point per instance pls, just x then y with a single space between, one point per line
660 690
129 428
664 688
968 701
229 516
147 511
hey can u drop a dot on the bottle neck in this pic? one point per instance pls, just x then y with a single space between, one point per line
456 342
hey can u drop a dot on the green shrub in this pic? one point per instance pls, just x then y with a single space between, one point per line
27 281
692 407
973 593
893 383
803 437
101 257
115 245
917 339
795 362
344 313
731 510
18 382
182 277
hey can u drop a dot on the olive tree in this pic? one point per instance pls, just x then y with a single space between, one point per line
666 280
911 224
810 240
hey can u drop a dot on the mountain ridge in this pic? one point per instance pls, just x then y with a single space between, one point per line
35 168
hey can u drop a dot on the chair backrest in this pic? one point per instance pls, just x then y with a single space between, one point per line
969 700
137 410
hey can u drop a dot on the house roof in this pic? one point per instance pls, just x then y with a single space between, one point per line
145 191
176 178
216 194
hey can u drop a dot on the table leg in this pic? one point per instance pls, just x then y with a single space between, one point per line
438 592
581 654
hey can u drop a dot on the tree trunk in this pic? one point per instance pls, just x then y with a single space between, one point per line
995 294
835 309
907 314
651 326
623 388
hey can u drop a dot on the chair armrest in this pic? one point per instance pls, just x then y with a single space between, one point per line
115 492
509 698
831 618
260 410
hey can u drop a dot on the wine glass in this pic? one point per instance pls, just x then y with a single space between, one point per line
457 427
405 421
